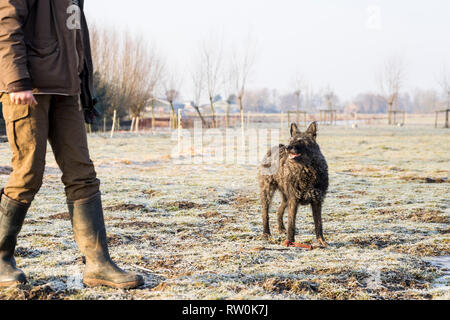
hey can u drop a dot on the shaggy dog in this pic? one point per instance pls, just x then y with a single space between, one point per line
301 175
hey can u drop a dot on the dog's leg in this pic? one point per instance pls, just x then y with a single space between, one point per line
292 207
281 210
267 191
317 215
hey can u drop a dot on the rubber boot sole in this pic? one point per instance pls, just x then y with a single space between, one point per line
105 283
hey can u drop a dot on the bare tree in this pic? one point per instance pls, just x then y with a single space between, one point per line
298 85
391 80
128 66
198 86
229 93
212 57
171 84
330 98
242 63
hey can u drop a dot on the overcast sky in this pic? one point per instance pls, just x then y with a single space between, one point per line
340 43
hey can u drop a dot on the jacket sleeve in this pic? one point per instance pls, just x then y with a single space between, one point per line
13 51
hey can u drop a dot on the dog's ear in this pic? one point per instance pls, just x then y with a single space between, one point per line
312 130
294 130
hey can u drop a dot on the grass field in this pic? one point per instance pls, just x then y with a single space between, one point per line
194 231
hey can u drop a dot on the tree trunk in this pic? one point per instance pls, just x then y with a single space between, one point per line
446 112
213 114
153 115
241 107
201 117
227 116
390 113
174 117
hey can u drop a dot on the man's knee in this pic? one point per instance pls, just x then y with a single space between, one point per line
81 185
24 187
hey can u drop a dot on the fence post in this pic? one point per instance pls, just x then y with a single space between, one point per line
132 124
153 117
114 123
242 128
179 131
436 120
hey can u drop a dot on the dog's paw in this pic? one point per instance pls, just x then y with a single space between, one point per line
321 243
266 236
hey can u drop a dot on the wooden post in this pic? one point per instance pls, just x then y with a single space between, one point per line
153 115
179 131
446 118
114 123
132 124
104 124
137 124
242 128
227 115
447 111
436 119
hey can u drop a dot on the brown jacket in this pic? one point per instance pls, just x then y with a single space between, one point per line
42 49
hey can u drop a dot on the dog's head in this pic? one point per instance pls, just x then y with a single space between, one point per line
302 144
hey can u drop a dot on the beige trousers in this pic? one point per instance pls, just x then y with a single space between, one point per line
60 120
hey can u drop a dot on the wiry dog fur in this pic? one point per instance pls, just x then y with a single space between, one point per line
302 179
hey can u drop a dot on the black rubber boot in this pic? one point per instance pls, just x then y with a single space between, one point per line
90 235
12 215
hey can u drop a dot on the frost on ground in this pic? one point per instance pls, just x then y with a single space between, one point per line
194 231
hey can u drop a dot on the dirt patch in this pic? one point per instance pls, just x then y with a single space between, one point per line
27 253
60 216
138 225
432 249
424 179
184 205
376 241
396 280
210 214
128 207
428 215
118 240
170 266
29 292
244 202
151 193
289 286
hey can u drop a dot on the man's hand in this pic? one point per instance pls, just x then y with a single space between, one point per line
23 97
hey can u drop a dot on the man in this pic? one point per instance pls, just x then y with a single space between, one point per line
45 67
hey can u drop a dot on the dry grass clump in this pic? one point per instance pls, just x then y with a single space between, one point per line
35 292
